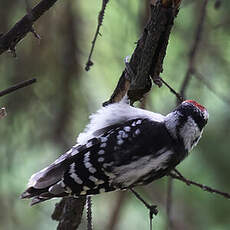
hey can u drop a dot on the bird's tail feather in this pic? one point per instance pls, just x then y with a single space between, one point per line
47 183
40 195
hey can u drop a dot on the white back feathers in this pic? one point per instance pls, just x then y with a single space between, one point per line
112 114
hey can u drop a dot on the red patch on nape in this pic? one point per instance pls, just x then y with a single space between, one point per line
201 107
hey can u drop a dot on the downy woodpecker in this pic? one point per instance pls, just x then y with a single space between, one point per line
120 148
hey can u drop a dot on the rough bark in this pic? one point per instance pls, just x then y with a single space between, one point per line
147 59
69 213
9 40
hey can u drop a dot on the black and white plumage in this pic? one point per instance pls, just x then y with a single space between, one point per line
121 147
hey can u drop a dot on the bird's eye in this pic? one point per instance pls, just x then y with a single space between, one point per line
205 121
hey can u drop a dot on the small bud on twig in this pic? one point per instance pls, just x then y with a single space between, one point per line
2 112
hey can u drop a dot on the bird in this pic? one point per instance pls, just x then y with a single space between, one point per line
121 147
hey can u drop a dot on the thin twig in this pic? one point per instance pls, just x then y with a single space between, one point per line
152 208
194 48
179 97
158 81
89 63
138 196
17 86
177 175
2 112
29 11
89 213
9 40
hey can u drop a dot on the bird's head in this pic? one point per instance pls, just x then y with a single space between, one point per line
186 122
197 111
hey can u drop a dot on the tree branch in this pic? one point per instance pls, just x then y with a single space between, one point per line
89 213
177 175
152 208
179 97
147 58
9 40
17 86
89 63
69 213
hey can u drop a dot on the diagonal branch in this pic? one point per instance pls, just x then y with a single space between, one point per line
147 58
9 40
179 97
177 175
89 63
17 86
152 208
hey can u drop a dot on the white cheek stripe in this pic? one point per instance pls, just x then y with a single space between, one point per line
190 131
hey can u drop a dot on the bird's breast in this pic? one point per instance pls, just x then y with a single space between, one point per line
141 169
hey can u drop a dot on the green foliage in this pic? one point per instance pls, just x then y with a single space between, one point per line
44 119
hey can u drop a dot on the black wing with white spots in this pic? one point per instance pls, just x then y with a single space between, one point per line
125 155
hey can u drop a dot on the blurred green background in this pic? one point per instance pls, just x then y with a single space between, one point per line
45 118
